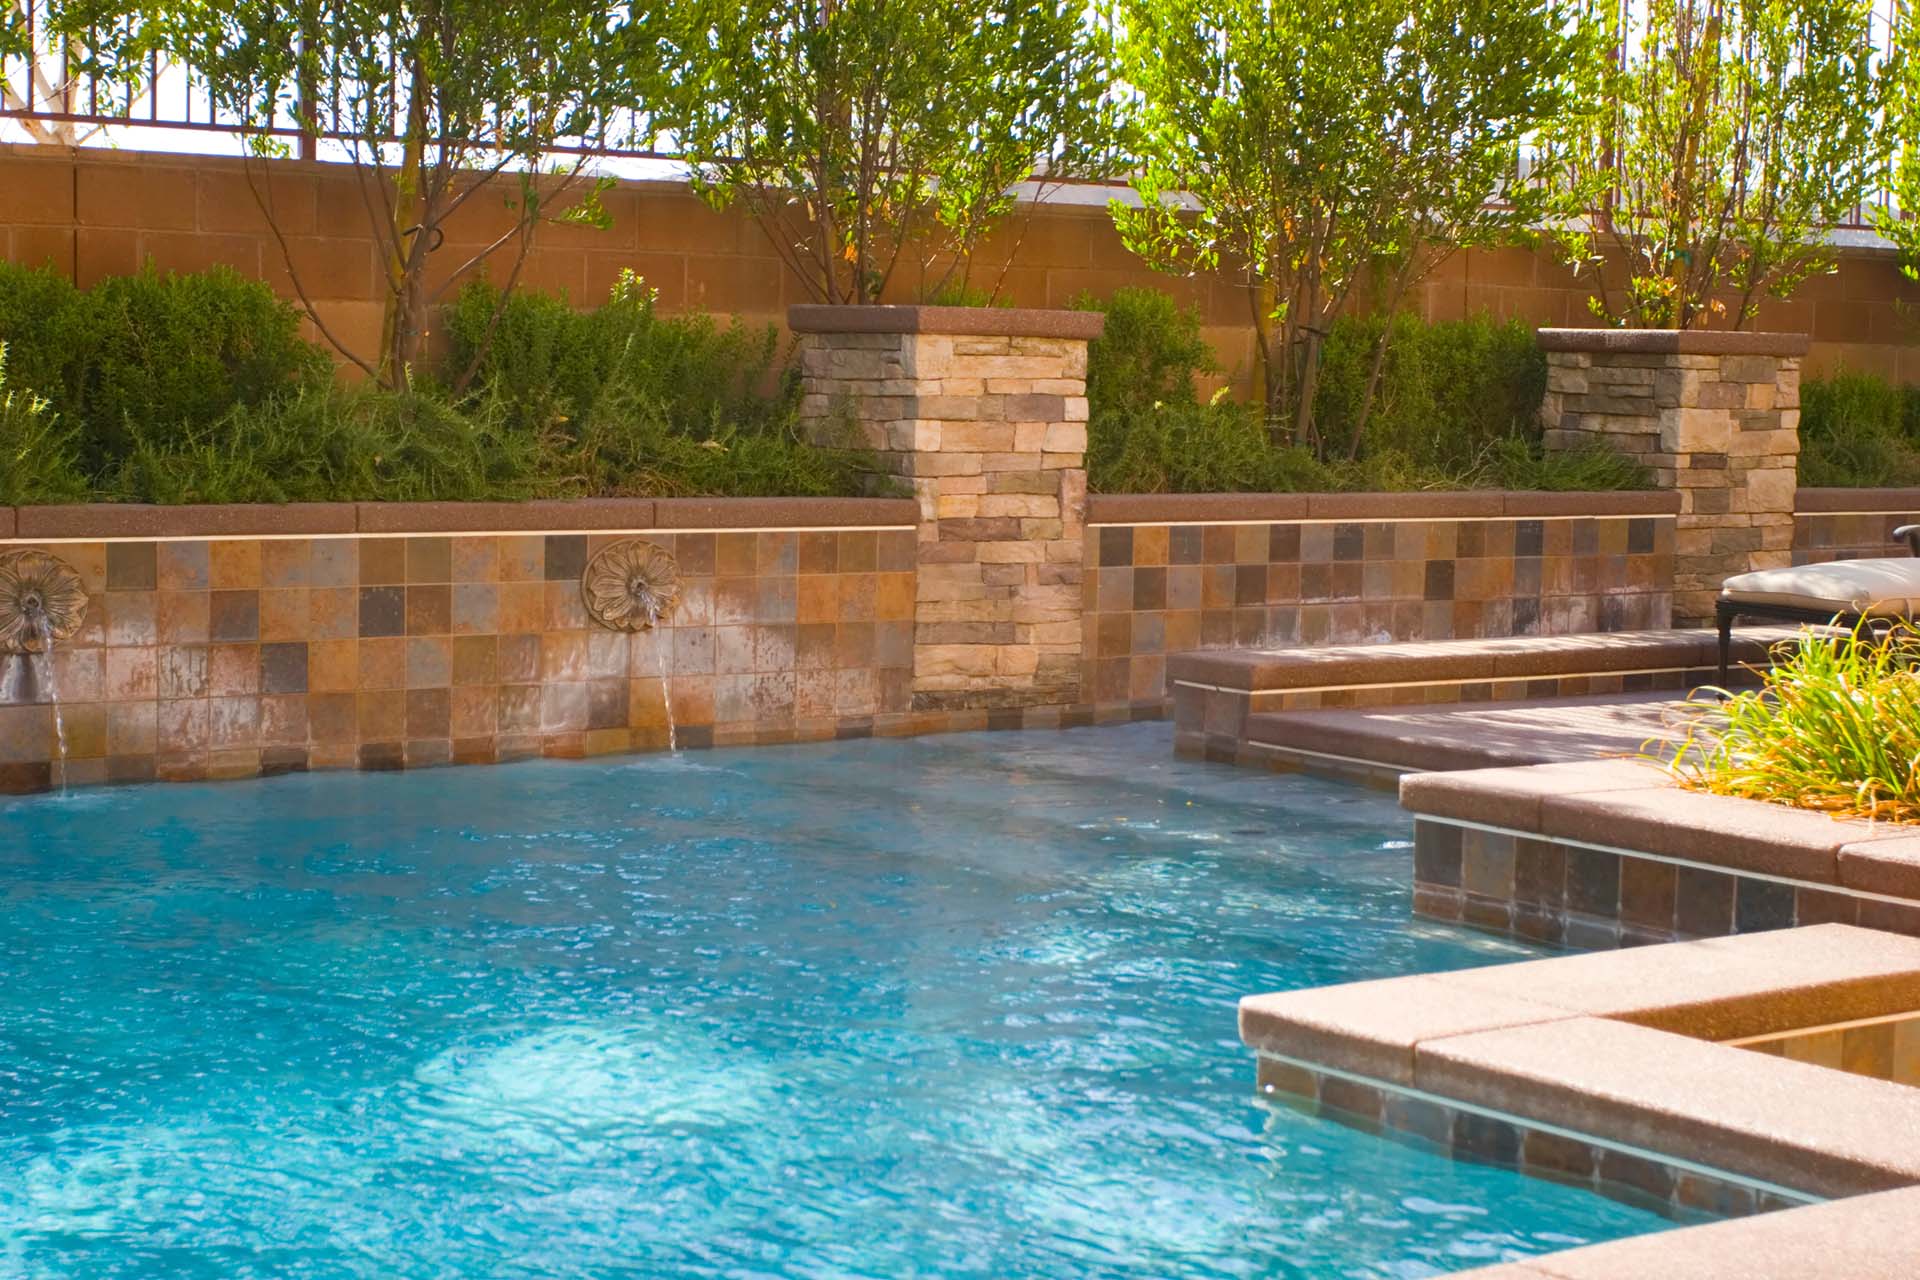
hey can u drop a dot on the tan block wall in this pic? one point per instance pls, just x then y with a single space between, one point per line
102 213
1723 430
991 431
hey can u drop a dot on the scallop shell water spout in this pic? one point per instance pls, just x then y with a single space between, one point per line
631 585
42 601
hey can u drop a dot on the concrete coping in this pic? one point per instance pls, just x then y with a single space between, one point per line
1509 657
1638 807
1813 502
1683 342
988 322
1869 1237
104 521
1477 504
1621 1046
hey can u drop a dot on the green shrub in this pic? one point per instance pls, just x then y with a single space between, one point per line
151 353
1858 429
1447 391
39 454
548 364
335 443
1458 407
1835 727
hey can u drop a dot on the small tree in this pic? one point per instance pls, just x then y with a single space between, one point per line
1713 145
862 134
1899 220
436 104
1330 151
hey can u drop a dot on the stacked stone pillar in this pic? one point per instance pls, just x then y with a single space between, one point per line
1713 415
984 412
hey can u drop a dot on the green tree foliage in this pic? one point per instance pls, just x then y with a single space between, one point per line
445 108
1698 174
871 136
1329 152
1897 221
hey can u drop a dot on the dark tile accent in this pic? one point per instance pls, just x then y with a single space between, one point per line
1762 904
1116 546
607 704
1813 906
1483 1138
1439 584
1471 540
429 713
233 615
566 556
382 757
1150 587
1539 872
1526 615
1185 545
1647 892
1640 536
283 667
1551 1155
383 611
132 566
1648 1177
1436 853
1529 537
429 610
1249 584
1283 543
1351 1096
1593 881
1349 541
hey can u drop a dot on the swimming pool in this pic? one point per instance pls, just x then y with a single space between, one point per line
943 1007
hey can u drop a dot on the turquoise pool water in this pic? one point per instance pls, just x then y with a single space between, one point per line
950 1007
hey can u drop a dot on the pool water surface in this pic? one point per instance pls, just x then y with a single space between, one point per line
955 1006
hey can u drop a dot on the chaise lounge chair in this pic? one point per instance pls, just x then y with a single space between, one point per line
1846 593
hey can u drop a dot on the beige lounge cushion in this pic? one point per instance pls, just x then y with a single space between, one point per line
1872 588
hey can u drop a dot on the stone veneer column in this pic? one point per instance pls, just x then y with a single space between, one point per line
984 412
1714 415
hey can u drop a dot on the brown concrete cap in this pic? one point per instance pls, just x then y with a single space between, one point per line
1603 651
1460 504
1511 798
1721 988
6 522
1193 508
1631 502
1426 737
487 517
1009 322
1372 1028
1889 863
127 520
1868 1237
1745 835
1802 1126
784 513
1684 342
1889 501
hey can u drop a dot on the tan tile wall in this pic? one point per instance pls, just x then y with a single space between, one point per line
1884 1048
1157 589
210 658
104 212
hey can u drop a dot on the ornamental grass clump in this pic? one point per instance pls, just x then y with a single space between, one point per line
1835 727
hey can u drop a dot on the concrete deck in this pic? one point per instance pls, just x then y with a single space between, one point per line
1475 735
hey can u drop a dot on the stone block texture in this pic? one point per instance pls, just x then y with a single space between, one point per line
990 430
1720 426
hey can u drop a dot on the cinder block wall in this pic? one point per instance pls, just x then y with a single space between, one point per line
99 213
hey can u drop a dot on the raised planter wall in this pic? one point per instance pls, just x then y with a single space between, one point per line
231 641
1175 572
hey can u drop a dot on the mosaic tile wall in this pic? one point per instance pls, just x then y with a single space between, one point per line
1595 899
1155 589
1467 1134
215 658
1863 533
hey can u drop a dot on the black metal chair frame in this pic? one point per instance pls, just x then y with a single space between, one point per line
1727 610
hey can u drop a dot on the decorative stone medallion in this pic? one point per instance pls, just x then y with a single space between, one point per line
631 585
41 601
